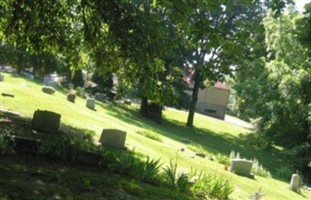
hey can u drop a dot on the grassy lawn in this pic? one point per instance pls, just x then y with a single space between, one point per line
162 141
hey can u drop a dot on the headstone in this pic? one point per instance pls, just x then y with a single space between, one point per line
184 140
71 97
88 158
294 183
25 145
48 90
90 103
51 80
7 95
200 154
127 102
46 120
241 167
1 77
113 138
101 97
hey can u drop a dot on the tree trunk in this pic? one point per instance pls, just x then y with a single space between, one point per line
144 106
194 99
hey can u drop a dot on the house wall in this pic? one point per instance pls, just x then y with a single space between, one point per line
213 102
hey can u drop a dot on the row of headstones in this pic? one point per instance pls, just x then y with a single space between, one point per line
90 102
50 121
243 167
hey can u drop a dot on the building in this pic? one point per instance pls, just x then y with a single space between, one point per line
213 101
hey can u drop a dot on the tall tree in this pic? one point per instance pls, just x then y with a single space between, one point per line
214 33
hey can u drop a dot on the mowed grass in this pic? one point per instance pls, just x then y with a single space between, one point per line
210 135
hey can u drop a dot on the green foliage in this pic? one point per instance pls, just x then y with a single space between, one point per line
80 91
77 78
213 187
151 169
57 147
256 141
5 146
150 134
259 170
222 159
170 174
284 172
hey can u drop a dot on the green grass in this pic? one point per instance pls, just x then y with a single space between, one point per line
209 135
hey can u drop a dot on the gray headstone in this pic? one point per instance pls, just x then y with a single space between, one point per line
127 102
90 103
101 97
113 138
242 167
46 120
51 80
71 97
200 154
294 183
1 77
185 140
48 90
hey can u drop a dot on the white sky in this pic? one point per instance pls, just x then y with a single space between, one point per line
300 4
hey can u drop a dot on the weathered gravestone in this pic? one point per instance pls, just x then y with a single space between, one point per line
51 80
71 97
294 183
1 77
46 120
242 167
101 97
48 89
127 102
113 138
90 103
88 158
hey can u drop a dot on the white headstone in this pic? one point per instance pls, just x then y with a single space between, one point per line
294 183
90 103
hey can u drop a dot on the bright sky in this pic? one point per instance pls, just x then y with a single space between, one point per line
300 4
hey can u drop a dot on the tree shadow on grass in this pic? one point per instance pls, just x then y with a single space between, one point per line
215 143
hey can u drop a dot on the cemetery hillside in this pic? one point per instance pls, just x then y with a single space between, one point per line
53 169
155 99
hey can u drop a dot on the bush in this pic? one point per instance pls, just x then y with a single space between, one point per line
257 169
222 159
5 146
213 187
178 181
257 141
284 172
57 147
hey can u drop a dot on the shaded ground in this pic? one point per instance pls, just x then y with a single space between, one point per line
31 177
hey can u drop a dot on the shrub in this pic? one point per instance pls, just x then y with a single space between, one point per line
151 169
222 159
57 147
258 170
257 141
213 187
178 181
5 146
284 172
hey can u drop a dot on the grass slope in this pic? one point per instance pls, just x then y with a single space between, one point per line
209 135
